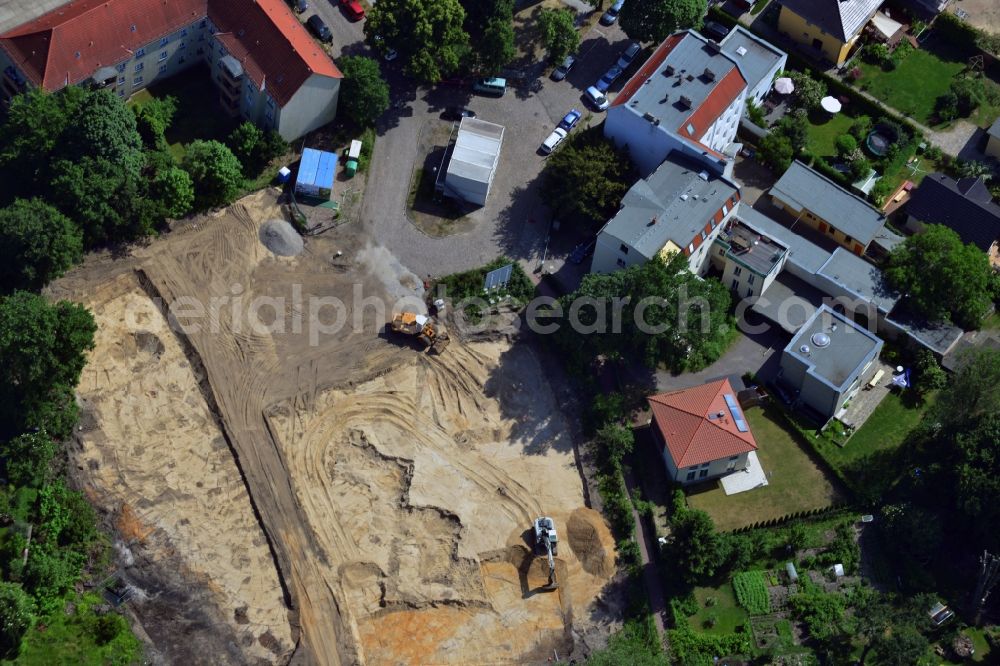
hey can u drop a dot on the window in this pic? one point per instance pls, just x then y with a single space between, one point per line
121 93
137 81
702 474
738 270
223 51
690 476
624 248
621 262
184 32
750 278
749 292
121 80
691 248
736 284
164 41
725 211
203 23
722 251
703 234
182 45
270 102
140 52
163 56
121 67
163 68
138 66
180 61
847 239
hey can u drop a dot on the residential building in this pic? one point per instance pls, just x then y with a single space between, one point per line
473 161
701 432
828 361
749 260
965 206
759 61
265 65
686 98
820 203
680 207
826 29
993 139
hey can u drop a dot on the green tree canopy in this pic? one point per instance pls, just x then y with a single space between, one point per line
428 34
17 614
153 118
808 91
27 458
105 128
695 550
364 94
941 278
654 20
215 172
557 30
490 26
587 176
42 348
101 198
776 151
37 244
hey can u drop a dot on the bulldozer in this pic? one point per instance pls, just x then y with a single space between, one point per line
547 542
425 329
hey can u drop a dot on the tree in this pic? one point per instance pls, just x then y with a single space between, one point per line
587 176
860 128
17 614
170 190
614 441
776 151
859 166
428 35
930 376
974 169
496 47
100 197
558 33
972 393
364 93
969 92
50 572
244 139
946 106
215 172
105 129
42 348
808 91
903 646
654 20
37 244
696 551
153 118
27 458
941 278
845 144
795 126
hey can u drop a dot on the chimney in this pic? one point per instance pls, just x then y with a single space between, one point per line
669 70
685 102
709 74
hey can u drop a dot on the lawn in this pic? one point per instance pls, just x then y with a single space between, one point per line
199 114
795 481
727 613
823 131
914 85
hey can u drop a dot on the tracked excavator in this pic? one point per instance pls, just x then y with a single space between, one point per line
425 329
547 542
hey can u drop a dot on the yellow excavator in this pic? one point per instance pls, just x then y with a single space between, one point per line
432 334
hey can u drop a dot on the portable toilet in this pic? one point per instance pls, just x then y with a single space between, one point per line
352 157
284 175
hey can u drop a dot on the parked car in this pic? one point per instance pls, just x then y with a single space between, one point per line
457 113
300 5
319 28
716 31
610 16
560 72
582 251
629 55
570 120
353 8
609 77
553 140
495 86
596 98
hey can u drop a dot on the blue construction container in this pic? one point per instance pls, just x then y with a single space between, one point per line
317 169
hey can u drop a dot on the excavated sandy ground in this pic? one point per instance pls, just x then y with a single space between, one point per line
159 461
395 488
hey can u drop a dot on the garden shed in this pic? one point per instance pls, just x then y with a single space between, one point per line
316 173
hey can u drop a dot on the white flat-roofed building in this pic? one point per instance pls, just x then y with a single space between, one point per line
474 160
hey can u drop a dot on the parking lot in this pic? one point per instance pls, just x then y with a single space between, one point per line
515 220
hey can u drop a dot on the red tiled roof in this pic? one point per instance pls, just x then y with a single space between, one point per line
722 95
692 438
69 44
648 68
272 45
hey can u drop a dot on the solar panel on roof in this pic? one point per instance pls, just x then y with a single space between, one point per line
498 278
734 409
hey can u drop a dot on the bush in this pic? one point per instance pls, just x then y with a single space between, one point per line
845 144
16 616
860 128
751 592
946 106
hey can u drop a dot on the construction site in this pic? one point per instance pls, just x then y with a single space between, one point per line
296 492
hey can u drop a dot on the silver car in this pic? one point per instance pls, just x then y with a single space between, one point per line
597 98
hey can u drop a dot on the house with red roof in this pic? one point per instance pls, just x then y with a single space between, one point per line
265 65
701 432
687 97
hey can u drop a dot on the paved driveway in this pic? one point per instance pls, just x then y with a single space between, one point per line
515 220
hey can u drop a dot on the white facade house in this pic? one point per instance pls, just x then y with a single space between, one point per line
758 60
473 161
266 67
687 98
680 207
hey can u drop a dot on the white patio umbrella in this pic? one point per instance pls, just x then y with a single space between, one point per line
784 85
830 104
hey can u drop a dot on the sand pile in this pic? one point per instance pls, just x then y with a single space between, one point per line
281 238
591 542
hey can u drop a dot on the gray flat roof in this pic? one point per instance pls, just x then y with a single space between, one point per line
859 277
754 56
847 347
801 252
751 248
477 150
939 338
803 188
673 203
654 94
789 302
